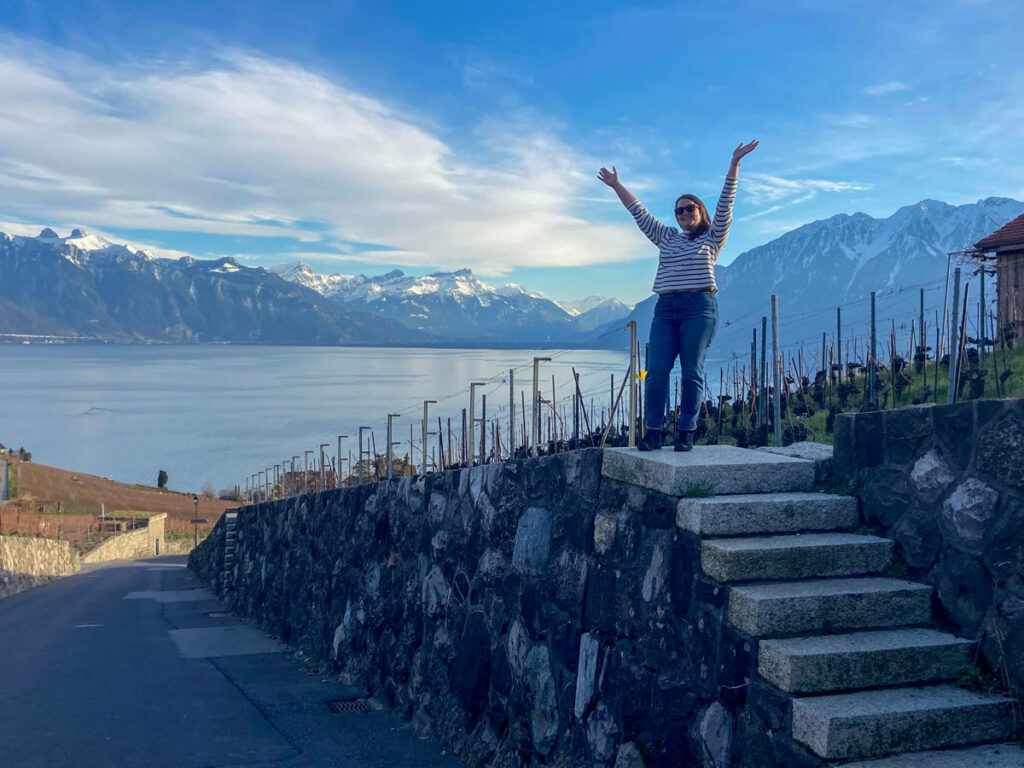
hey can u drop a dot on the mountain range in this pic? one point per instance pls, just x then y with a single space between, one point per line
84 286
839 261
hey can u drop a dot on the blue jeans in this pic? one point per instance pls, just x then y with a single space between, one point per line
683 326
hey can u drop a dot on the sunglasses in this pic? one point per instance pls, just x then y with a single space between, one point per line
685 209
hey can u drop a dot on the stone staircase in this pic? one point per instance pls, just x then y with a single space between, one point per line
230 533
866 677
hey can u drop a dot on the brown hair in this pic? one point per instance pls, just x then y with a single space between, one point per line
705 220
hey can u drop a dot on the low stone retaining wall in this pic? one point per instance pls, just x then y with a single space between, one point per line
529 612
947 483
144 542
27 562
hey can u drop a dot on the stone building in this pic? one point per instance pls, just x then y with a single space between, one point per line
1005 246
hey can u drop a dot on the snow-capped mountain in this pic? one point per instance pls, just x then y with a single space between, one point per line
303 274
85 286
454 305
838 262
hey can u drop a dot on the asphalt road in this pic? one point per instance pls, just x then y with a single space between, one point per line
134 664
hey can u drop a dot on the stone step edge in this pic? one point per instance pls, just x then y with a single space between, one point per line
998 755
742 601
778 657
807 714
773 513
794 557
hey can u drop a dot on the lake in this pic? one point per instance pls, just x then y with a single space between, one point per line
215 414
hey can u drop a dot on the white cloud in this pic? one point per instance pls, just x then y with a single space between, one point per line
764 189
851 120
257 147
893 86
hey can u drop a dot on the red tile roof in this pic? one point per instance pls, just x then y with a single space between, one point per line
1008 234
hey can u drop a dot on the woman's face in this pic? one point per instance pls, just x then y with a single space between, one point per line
687 214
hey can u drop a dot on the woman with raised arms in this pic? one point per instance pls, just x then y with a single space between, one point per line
686 315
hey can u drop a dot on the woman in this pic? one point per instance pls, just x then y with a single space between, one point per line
686 315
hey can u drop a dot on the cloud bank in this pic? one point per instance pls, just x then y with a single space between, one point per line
245 145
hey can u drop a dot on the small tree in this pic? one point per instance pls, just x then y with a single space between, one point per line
24 455
209 492
161 479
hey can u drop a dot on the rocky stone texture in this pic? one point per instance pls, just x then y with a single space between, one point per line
531 612
947 484
558 612
26 563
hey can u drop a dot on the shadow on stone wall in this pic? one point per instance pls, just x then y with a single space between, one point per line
947 483
529 612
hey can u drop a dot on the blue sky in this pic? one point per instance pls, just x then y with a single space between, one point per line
364 136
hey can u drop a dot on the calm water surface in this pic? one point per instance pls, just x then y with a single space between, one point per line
216 414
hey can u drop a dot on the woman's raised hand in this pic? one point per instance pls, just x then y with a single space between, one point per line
743 150
611 178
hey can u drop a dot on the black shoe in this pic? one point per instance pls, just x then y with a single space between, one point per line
684 439
651 441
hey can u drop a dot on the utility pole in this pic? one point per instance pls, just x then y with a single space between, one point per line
338 468
511 411
872 365
426 431
776 374
362 473
954 342
632 382
391 444
323 470
470 442
535 413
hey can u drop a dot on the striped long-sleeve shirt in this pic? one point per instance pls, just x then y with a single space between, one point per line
685 264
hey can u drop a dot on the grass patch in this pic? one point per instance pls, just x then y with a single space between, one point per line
699 490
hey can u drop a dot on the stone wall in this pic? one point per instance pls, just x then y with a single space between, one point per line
528 613
28 562
947 483
144 542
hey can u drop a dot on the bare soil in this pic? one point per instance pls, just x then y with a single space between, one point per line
41 486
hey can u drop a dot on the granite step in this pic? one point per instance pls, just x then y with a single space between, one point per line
986 756
823 663
877 723
818 606
764 513
795 556
725 469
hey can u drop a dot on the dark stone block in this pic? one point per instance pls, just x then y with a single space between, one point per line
867 439
986 411
843 457
789 754
659 511
1003 645
533 602
752 747
954 425
711 593
564 639
964 589
1000 451
917 534
906 431
887 495
684 566
770 705
599 603
733 668
1004 554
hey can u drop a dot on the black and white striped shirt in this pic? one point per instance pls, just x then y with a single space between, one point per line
685 264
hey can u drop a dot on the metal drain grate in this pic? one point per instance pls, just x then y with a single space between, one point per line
349 705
